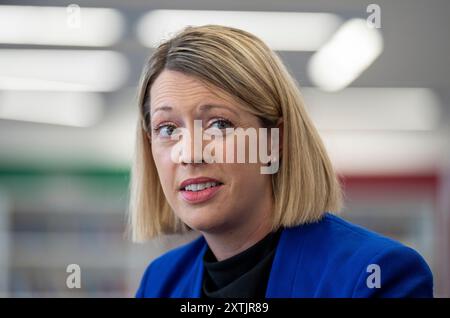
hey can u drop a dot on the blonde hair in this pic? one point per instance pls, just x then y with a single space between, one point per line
241 65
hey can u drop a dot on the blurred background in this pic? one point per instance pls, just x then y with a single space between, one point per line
375 77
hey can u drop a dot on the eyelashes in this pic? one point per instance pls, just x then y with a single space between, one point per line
225 123
167 129
164 130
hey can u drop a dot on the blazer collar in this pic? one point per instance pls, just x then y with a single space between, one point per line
286 261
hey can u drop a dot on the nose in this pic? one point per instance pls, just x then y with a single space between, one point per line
192 145
191 153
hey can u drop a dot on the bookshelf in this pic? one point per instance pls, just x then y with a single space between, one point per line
49 220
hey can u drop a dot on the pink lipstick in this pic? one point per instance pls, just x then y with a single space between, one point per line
198 190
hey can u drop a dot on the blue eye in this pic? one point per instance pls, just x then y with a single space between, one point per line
222 124
165 130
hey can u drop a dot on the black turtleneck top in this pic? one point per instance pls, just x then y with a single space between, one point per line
244 275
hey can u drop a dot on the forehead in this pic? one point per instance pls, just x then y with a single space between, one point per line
173 87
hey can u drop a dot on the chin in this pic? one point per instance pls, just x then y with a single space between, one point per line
204 223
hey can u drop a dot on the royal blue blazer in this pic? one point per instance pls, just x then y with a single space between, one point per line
329 258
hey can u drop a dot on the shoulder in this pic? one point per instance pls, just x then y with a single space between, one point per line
182 254
355 253
341 235
177 262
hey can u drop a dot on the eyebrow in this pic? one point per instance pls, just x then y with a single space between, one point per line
202 108
161 108
208 107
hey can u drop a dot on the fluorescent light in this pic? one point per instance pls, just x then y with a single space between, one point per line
374 108
53 26
348 53
289 31
68 70
385 152
61 108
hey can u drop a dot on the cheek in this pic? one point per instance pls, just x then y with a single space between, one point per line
246 175
164 164
246 178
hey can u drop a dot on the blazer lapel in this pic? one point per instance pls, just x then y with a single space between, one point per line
287 261
285 264
196 281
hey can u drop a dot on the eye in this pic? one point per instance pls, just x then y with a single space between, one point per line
221 124
165 130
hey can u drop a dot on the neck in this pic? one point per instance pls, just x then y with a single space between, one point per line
225 244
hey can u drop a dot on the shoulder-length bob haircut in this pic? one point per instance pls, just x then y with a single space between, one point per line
243 67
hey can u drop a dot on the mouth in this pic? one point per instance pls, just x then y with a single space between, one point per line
199 189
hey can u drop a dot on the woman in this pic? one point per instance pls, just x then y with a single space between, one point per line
262 234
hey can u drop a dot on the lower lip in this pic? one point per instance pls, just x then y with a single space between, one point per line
200 196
